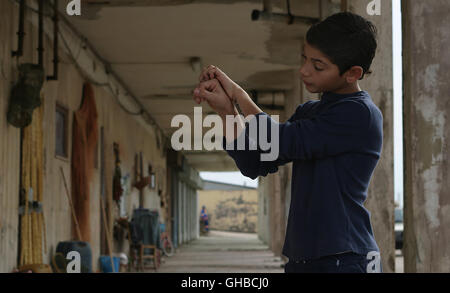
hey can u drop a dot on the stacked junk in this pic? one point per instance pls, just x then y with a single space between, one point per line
25 112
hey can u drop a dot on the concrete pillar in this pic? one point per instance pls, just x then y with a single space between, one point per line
426 56
273 211
263 210
284 187
380 200
279 184
293 98
279 228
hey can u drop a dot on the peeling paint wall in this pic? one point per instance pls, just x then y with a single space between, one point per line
426 58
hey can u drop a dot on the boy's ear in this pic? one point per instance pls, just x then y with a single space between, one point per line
354 74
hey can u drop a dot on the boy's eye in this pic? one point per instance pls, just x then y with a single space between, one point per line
318 69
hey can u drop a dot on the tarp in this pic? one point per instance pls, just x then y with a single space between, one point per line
84 141
145 227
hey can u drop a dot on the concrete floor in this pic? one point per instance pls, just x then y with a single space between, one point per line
223 252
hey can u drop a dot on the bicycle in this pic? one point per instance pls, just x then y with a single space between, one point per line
166 245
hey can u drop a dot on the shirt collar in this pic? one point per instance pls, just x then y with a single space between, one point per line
331 97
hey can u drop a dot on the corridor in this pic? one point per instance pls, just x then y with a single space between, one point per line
223 252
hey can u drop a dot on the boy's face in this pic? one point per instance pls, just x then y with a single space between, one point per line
318 73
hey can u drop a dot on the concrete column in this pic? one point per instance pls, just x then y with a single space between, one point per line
277 219
197 213
279 184
293 98
426 56
380 200
284 187
180 212
185 212
269 182
263 210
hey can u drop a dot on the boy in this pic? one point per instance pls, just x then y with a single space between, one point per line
334 144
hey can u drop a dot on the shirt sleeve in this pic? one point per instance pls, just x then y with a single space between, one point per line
341 128
249 161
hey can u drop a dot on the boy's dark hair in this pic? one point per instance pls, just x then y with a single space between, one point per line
347 39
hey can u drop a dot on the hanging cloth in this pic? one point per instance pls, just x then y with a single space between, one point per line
84 141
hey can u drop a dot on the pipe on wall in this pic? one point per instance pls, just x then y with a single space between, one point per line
21 32
41 34
55 42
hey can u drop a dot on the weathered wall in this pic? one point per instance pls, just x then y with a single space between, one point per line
426 62
380 201
231 210
9 147
118 126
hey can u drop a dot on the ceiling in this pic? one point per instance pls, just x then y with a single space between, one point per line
149 44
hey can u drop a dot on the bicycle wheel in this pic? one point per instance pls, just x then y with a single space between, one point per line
167 247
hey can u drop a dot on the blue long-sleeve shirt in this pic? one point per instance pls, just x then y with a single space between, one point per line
335 145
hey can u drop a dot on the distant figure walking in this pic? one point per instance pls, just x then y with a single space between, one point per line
204 223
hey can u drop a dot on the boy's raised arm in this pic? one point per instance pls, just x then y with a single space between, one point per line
246 104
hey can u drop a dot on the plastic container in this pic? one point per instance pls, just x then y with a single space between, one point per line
83 248
105 264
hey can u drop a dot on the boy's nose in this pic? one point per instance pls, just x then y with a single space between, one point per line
303 71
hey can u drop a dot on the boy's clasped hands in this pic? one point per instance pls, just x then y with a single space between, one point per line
217 89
